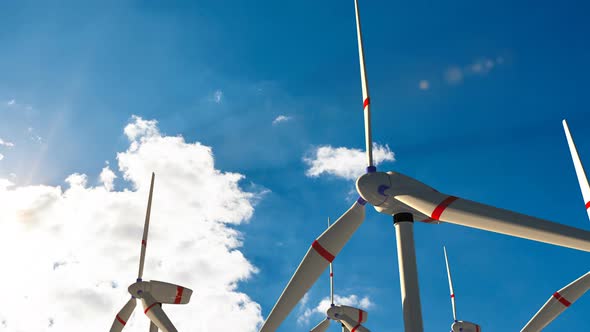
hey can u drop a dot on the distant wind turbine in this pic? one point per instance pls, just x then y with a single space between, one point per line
349 317
565 297
458 325
151 293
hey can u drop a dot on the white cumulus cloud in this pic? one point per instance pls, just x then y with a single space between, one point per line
281 118
6 143
320 310
70 252
344 162
107 178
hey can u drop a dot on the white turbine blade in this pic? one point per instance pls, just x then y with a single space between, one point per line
164 292
321 253
582 179
557 303
146 227
463 212
154 311
365 87
153 327
321 327
357 315
331 277
123 315
351 324
450 285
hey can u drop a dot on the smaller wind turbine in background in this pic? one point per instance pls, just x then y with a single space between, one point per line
564 297
349 317
458 325
151 293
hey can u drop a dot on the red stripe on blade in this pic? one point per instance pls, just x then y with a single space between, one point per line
561 299
143 243
452 295
148 308
356 327
322 251
360 316
587 205
121 320
366 102
442 206
179 291
427 220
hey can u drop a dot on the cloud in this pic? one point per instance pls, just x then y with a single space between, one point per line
281 118
33 136
344 162
11 102
107 178
218 96
480 67
424 85
320 310
1 156
6 143
73 250
454 75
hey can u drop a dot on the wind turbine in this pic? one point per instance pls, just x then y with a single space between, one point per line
458 325
407 199
151 293
563 298
349 317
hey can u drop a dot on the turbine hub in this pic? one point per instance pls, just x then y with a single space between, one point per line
136 288
380 190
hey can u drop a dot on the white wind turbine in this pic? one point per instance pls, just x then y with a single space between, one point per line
458 325
349 317
563 298
151 293
407 199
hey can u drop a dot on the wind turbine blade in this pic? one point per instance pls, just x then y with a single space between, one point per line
123 315
557 303
153 327
351 324
365 87
331 277
146 227
321 253
164 292
582 178
321 327
450 285
468 213
153 310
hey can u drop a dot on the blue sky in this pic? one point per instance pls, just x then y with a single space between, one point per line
220 72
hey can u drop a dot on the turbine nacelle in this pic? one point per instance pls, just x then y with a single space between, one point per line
338 312
162 292
462 326
380 190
